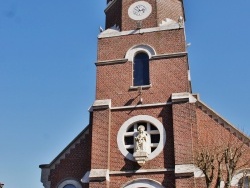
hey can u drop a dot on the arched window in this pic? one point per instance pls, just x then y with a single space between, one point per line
241 179
69 186
141 69
244 182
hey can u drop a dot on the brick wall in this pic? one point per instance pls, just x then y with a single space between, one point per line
184 182
167 76
164 160
164 42
74 165
100 139
212 134
174 10
184 119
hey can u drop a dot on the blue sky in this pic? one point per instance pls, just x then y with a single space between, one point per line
47 73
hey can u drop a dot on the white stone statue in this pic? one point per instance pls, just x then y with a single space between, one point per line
142 146
141 139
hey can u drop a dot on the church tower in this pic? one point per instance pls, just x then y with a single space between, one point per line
142 83
145 125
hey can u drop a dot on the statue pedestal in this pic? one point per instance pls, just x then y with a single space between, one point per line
140 157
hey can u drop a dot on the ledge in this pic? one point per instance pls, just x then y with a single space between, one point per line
183 97
102 104
141 171
171 55
188 170
111 62
98 175
140 87
141 106
153 57
140 31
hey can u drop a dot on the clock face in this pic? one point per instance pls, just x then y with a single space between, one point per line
139 10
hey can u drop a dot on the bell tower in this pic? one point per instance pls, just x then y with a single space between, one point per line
145 124
143 117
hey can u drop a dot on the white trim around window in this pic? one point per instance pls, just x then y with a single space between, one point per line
140 48
147 183
145 118
72 182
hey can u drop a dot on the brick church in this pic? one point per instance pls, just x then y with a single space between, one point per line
146 127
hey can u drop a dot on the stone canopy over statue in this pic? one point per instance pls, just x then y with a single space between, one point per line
142 145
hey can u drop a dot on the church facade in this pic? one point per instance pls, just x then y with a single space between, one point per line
145 126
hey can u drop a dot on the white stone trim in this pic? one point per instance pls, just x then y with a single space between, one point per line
133 120
141 106
99 175
45 176
102 104
170 55
153 57
236 178
143 182
73 182
140 31
143 171
111 62
187 169
86 178
140 48
148 10
189 75
183 97
167 22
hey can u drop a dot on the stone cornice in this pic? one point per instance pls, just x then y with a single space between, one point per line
154 57
141 106
170 55
111 62
141 171
139 31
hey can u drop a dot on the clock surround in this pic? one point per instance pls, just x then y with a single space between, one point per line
139 10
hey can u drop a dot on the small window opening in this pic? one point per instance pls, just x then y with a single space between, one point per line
141 69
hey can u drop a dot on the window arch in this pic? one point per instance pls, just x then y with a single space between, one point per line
70 184
143 183
244 182
241 179
141 69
